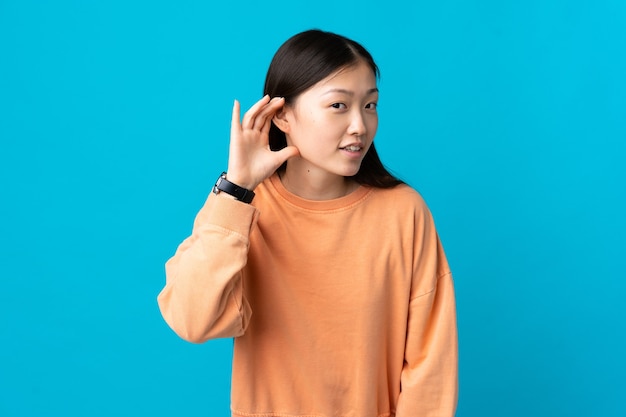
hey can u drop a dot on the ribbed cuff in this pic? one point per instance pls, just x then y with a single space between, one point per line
231 214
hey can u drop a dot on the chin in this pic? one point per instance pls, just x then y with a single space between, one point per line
351 172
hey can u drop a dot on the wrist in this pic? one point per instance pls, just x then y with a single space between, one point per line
225 185
241 181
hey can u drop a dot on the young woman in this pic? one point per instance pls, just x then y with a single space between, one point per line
326 269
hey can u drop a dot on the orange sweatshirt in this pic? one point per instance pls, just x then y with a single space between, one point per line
339 308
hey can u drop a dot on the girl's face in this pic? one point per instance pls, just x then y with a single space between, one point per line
333 123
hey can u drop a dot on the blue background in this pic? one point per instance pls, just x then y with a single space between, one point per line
509 117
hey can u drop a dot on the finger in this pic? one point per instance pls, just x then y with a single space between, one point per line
262 121
265 130
234 123
267 125
248 118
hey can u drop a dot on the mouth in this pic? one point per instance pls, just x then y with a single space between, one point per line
352 148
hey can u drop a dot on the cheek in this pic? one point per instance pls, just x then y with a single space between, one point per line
314 131
373 127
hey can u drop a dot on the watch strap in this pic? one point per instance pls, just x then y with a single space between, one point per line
240 193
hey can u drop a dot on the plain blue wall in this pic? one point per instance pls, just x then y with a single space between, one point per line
509 117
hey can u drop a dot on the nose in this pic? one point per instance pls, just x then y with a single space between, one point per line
357 124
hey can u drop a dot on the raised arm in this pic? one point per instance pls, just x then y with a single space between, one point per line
203 297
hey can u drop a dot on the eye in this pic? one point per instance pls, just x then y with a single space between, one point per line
371 106
338 106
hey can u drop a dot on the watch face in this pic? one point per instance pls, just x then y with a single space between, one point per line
216 187
241 194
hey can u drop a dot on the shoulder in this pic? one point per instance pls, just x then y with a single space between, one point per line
404 205
401 196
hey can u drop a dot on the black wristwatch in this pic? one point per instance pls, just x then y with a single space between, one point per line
240 193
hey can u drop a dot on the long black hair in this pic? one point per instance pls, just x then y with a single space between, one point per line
304 60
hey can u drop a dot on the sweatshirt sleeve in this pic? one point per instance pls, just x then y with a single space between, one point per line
429 378
203 297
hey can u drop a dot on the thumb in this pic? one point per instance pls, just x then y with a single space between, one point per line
286 153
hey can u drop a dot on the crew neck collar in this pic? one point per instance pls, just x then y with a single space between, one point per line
319 205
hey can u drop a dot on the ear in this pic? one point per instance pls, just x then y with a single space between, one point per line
281 119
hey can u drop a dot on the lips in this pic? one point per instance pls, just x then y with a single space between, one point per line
353 147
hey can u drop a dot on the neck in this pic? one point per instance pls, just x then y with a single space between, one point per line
314 185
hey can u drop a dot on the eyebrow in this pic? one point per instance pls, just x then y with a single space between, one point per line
348 92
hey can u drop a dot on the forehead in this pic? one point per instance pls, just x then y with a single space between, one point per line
356 78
